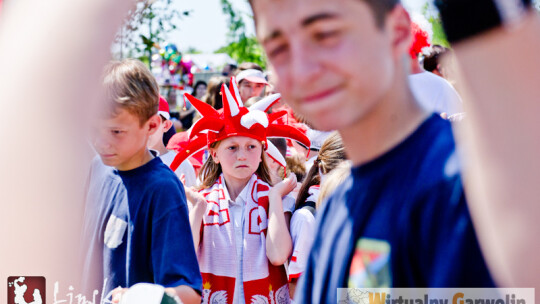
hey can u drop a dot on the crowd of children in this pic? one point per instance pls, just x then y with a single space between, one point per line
386 190
248 245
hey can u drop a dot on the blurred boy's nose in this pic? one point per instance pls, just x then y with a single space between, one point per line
101 141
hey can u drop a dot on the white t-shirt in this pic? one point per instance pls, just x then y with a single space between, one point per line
435 93
302 234
184 172
288 203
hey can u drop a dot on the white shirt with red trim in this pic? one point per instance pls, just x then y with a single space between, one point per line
302 233
232 254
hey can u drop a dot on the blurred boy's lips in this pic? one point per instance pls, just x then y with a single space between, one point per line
317 96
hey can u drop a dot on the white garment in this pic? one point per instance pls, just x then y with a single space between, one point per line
238 221
185 168
288 203
435 93
302 233
309 163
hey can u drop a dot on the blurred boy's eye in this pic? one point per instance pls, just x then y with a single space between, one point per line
117 132
277 51
326 36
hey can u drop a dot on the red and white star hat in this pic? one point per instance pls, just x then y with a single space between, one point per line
422 33
235 120
163 109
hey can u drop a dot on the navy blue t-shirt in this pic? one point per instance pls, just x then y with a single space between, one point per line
400 220
145 230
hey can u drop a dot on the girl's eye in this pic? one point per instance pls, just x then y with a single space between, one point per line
251 146
231 148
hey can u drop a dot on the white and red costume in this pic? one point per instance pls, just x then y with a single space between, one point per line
232 254
223 241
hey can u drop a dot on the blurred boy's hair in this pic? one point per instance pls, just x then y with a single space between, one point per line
130 85
380 9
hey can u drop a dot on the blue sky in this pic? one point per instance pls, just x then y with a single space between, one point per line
206 27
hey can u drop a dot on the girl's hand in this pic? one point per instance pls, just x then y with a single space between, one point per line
194 197
284 187
117 294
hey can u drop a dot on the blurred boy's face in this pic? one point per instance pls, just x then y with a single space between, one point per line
121 140
239 157
248 89
332 64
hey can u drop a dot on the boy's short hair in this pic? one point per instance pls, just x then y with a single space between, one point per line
379 8
431 60
130 85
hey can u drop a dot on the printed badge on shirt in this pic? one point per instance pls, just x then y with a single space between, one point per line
370 265
114 232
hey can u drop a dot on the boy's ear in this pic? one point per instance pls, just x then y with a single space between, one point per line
153 124
167 124
398 22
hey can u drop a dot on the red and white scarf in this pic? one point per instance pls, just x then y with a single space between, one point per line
263 282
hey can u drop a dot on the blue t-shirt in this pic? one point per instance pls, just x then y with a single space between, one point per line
400 220
144 229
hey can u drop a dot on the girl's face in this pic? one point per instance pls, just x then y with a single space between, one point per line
239 156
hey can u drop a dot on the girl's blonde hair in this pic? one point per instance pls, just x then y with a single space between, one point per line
210 171
333 180
332 153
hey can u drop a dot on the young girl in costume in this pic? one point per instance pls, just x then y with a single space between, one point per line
237 219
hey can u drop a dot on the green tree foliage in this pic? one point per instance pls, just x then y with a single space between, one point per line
431 14
147 25
193 50
241 47
439 37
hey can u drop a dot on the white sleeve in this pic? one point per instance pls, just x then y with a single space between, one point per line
288 203
452 100
188 172
303 233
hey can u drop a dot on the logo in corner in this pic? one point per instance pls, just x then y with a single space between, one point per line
26 290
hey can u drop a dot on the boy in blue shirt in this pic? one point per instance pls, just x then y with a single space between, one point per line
400 219
143 226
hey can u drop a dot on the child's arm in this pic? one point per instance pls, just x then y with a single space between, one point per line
278 238
187 294
196 214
